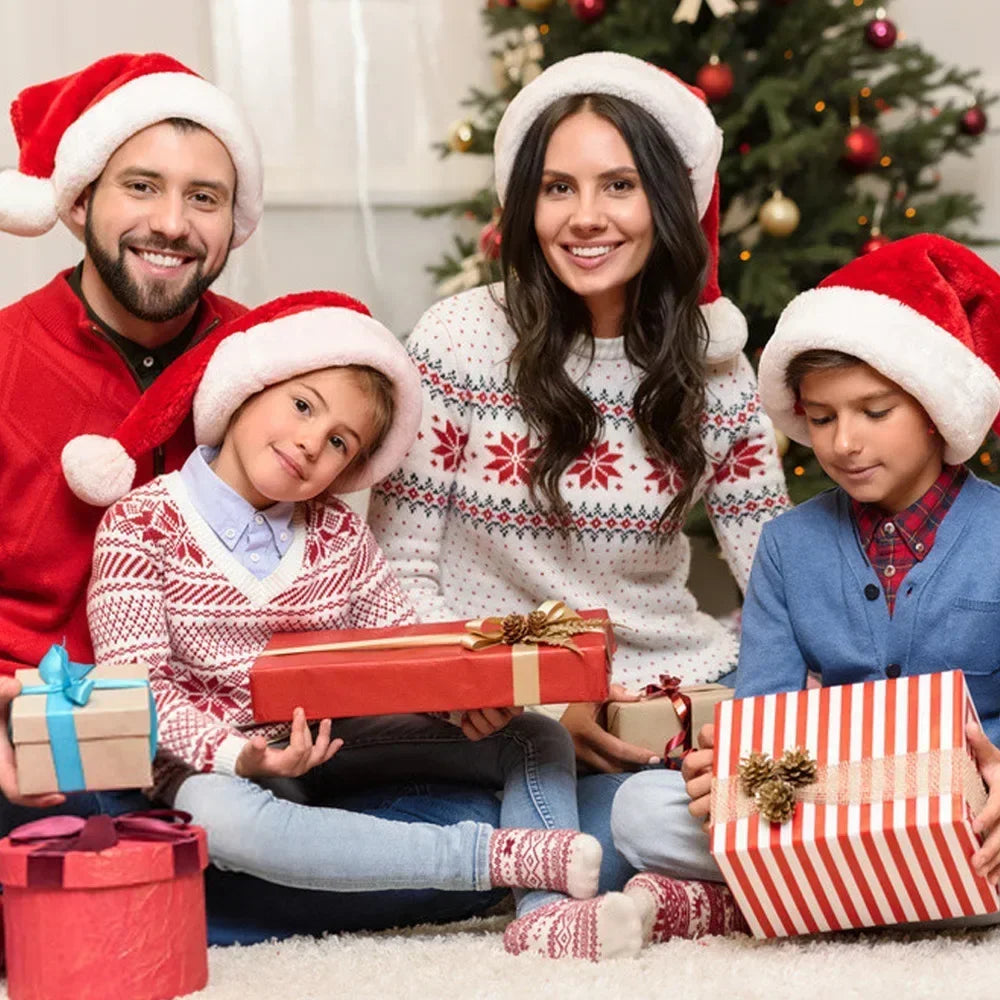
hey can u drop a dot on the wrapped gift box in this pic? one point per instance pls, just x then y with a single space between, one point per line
883 835
677 715
121 922
75 727
395 673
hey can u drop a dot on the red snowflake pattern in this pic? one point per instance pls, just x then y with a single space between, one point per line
664 476
513 458
452 445
596 466
740 462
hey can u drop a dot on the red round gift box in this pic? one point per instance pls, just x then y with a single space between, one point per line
122 926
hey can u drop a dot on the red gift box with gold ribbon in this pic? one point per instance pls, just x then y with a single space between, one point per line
105 908
550 655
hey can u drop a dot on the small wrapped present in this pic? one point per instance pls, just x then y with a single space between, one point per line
105 909
551 655
669 718
75 727
849 806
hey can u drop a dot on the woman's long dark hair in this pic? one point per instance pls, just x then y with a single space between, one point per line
664 332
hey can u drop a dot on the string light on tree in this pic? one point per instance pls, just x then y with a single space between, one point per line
461 136
881 33
715 78
779 216
588 11
536 6
973 121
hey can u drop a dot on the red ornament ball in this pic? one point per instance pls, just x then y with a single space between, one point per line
973 121
862 148
489 241
588 10
716 80
881 33
875 242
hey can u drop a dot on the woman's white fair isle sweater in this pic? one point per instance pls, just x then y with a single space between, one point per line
459 528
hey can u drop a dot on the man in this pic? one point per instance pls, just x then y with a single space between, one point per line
160 175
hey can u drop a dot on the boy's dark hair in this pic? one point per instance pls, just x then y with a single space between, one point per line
817 360
378 389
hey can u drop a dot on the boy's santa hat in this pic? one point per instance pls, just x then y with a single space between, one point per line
274 342
925 313
683 113
68 129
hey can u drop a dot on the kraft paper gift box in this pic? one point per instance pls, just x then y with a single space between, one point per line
75 727
105 909
669 714
883 835
434 667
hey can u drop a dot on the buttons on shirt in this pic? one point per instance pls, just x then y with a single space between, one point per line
283 536
258 519
893 670
919 546
871 592
890 528
148 361
254 557
889 571
230 533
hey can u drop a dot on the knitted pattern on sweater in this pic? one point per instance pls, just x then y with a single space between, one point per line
459 527
166 592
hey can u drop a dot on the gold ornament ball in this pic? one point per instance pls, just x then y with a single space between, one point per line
536 6
460 136
779 216
781 439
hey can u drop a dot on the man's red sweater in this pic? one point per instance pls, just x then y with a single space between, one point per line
60 377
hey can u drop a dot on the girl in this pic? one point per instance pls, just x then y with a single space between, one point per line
193 573
574 416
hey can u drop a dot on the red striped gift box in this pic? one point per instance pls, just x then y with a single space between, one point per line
883 836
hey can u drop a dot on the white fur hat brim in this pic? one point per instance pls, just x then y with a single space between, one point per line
686 118
959 391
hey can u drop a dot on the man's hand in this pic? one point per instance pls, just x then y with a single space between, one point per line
258 760
595 746
986 861
10 688
481 722
696 770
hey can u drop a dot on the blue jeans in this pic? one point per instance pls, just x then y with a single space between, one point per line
293 833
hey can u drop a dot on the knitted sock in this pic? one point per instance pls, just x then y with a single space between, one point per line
672 907
606 927
561 860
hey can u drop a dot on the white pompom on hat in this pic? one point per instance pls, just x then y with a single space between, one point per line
274 342
68 129
687 120
924 312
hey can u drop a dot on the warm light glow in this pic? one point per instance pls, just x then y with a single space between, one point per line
885 161
543 29
910 212
862 220
788 53
745 255
858 3
866 91
986 458
820 106
798 470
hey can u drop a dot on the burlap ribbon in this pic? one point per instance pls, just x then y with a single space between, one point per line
947 771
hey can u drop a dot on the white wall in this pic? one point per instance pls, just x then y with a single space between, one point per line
316 238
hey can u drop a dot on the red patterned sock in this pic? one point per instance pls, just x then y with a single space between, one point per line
606 927
561 860
672 907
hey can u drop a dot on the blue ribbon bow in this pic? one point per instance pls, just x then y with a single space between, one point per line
67 687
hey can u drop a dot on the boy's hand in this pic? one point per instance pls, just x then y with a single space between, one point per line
696 770
10 688
481 722
986 861
595 746
258 760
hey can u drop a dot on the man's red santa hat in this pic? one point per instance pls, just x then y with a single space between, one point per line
68 129
683 113
276 341
925 313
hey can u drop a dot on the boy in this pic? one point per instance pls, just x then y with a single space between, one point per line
889 370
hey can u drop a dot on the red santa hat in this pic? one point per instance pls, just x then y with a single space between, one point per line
68 129
683 113
924 312
274 342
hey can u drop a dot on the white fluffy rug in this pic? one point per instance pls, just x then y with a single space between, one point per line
467 961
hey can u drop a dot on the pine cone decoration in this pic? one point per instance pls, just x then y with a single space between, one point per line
796 767
514 627
776 800
754 771
536 622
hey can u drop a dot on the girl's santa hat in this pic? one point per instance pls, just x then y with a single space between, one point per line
683 113
925 313
68 129
274 342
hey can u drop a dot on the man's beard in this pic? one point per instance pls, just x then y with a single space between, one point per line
151 301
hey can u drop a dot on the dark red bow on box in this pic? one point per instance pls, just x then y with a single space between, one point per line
670 687
57 836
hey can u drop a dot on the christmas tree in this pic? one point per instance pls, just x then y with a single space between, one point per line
834 129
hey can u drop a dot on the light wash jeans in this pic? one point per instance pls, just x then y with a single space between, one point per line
288 832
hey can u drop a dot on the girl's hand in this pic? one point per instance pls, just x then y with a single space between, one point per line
482 722
696 770
595 746
10 688
986 860
258 760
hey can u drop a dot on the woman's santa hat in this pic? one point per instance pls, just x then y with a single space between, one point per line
68 129
274 342
683 113
925 313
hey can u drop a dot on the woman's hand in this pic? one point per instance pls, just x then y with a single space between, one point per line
595 746
258 760
696 770
10 688
986 860
481 722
